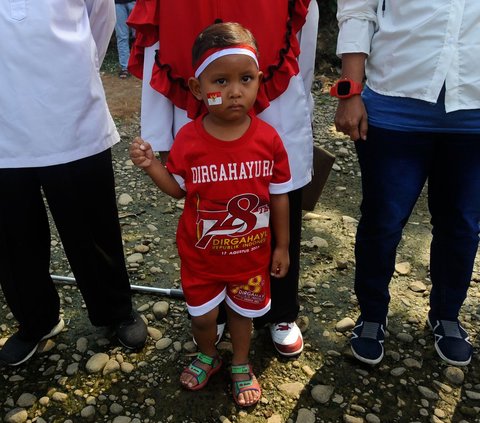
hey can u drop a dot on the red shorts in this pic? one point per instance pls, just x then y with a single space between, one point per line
249 297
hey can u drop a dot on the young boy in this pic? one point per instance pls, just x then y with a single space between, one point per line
233 170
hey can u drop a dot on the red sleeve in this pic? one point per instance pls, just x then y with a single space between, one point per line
144 19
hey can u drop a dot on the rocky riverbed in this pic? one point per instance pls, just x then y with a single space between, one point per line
83 375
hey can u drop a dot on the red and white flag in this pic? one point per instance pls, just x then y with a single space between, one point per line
214 99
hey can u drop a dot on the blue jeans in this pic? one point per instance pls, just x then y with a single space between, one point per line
122 32
395 166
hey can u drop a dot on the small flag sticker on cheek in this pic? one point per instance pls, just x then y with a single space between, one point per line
214 99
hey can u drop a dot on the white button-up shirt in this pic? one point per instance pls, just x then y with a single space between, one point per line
415 47
52 104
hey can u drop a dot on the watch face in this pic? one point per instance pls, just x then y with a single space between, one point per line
343 87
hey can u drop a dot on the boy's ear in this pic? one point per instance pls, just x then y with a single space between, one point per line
260 76
194 85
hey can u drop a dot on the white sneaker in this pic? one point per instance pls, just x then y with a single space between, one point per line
287 338
220 330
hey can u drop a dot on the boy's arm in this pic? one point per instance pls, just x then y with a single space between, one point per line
142 156
280 225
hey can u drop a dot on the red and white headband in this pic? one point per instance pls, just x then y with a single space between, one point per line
215 53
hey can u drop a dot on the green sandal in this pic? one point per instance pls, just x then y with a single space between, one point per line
202 376
241 386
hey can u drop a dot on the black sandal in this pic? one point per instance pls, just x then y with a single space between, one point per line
123 74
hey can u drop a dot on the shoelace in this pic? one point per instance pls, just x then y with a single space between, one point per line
370 330
283 326
451 328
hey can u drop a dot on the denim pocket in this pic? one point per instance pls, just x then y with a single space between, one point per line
18 9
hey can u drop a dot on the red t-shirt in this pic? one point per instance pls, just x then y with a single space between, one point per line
224 230
176 24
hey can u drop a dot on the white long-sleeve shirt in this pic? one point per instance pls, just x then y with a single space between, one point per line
290 114
52 103
415 47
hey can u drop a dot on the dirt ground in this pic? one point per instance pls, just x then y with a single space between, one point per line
324 384
124 96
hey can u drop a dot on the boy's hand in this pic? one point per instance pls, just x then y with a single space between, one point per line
280 262
141 153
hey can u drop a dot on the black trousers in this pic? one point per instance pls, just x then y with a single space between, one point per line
284 291
81 198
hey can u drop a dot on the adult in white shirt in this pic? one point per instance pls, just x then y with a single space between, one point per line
417 120
55 139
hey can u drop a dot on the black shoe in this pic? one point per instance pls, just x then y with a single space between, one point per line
367 341
19 349
451 341
132 332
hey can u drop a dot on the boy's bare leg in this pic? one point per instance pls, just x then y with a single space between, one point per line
204 330
240 329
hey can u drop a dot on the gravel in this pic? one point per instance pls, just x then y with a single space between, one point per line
83 375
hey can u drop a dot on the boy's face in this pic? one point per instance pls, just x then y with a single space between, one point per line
228 86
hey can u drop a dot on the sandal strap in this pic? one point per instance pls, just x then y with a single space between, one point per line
199 373
241 386
243 369
206 359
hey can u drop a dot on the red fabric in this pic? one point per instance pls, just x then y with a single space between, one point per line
224 233
177 23
252 294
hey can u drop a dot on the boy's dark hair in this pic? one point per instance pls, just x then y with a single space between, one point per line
218 35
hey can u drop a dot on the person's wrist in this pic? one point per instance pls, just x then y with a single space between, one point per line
346 88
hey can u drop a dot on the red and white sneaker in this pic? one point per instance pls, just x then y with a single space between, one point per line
287 338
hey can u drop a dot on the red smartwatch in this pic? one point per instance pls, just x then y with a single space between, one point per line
346 88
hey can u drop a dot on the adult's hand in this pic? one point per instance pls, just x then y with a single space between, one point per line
351 118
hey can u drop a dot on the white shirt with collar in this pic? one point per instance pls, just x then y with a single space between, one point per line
52 103
415 47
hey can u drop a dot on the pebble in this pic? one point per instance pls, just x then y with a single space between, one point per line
352 419
82 344
154 333
292 389
417 286
428 393
72 369
275 418
316 242
135 258
141 248
412 363
163 343
454 375
398 371
305 416
322 393
160 309
403 268
405 337
59 397
124 199
111 366
372 418
126 367
26 400
345 325
97 362
88 412
472 395
17 415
